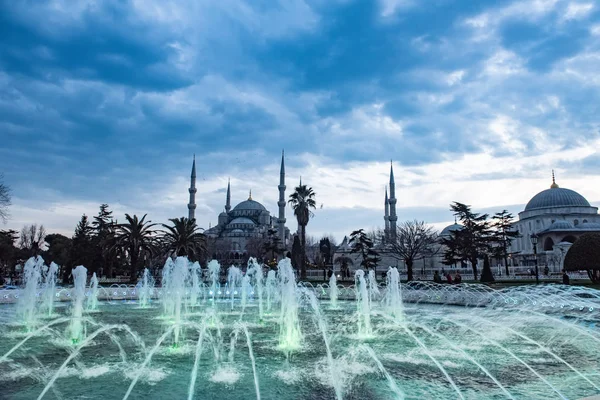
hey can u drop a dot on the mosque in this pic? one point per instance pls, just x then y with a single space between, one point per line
557 216
247 224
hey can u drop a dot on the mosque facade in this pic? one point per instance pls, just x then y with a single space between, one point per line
558 216
243 228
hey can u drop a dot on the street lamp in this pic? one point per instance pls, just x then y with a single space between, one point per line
534 242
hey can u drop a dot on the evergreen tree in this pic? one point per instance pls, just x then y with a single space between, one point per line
296 256
363 245
272 244
503 236
8 252
103 229
486 273
59 251
82 250
470 242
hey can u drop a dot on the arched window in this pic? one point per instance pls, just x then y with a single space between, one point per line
575 222
569 238
548 244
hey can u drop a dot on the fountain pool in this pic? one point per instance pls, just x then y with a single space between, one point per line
451 342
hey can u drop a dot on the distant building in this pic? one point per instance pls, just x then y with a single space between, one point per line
245 226
558 216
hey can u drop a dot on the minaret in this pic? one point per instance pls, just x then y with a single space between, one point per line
393 218
281 204
386 217
228 199
192 190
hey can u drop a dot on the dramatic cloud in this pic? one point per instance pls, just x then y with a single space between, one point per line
474 101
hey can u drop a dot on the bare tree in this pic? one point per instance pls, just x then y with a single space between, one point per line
32 238
414 239
5 198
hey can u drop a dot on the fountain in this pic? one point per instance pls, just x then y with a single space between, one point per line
393 296
363 305
76 328
178 278
146 290
333 291
195 284
246 288
387 341
290 336
92 300
234 280
271 289
27 304
255 270
50 289
214 272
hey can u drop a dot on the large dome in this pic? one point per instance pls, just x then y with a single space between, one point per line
249 205
447 231
556 197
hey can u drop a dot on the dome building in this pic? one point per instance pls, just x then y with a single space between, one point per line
558 216
241 231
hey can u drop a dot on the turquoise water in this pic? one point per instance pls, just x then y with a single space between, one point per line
432 354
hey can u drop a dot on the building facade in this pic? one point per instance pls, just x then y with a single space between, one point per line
558 216
241 231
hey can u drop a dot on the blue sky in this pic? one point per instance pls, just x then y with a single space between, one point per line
107 101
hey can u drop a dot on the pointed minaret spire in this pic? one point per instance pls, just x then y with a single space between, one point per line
228 197
250 195
281 204
386 216
392 200
554 185
300 180
192 190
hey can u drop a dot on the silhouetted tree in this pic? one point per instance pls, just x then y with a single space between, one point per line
302 200
470 242
31 240
584 255
184 238
413 240
59 251
8 251
5 199
360 243
486 272
272 244
296 256
138 241
82 249
102 226
503 235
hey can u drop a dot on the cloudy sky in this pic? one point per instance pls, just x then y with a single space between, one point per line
107 101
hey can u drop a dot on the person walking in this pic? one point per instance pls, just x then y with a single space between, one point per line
566 279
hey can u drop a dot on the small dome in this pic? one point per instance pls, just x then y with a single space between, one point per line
589 226
447 231
242 220
556 197
249 205
561 225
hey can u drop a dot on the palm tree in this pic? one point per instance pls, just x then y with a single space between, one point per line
137 239
302 200
184 238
